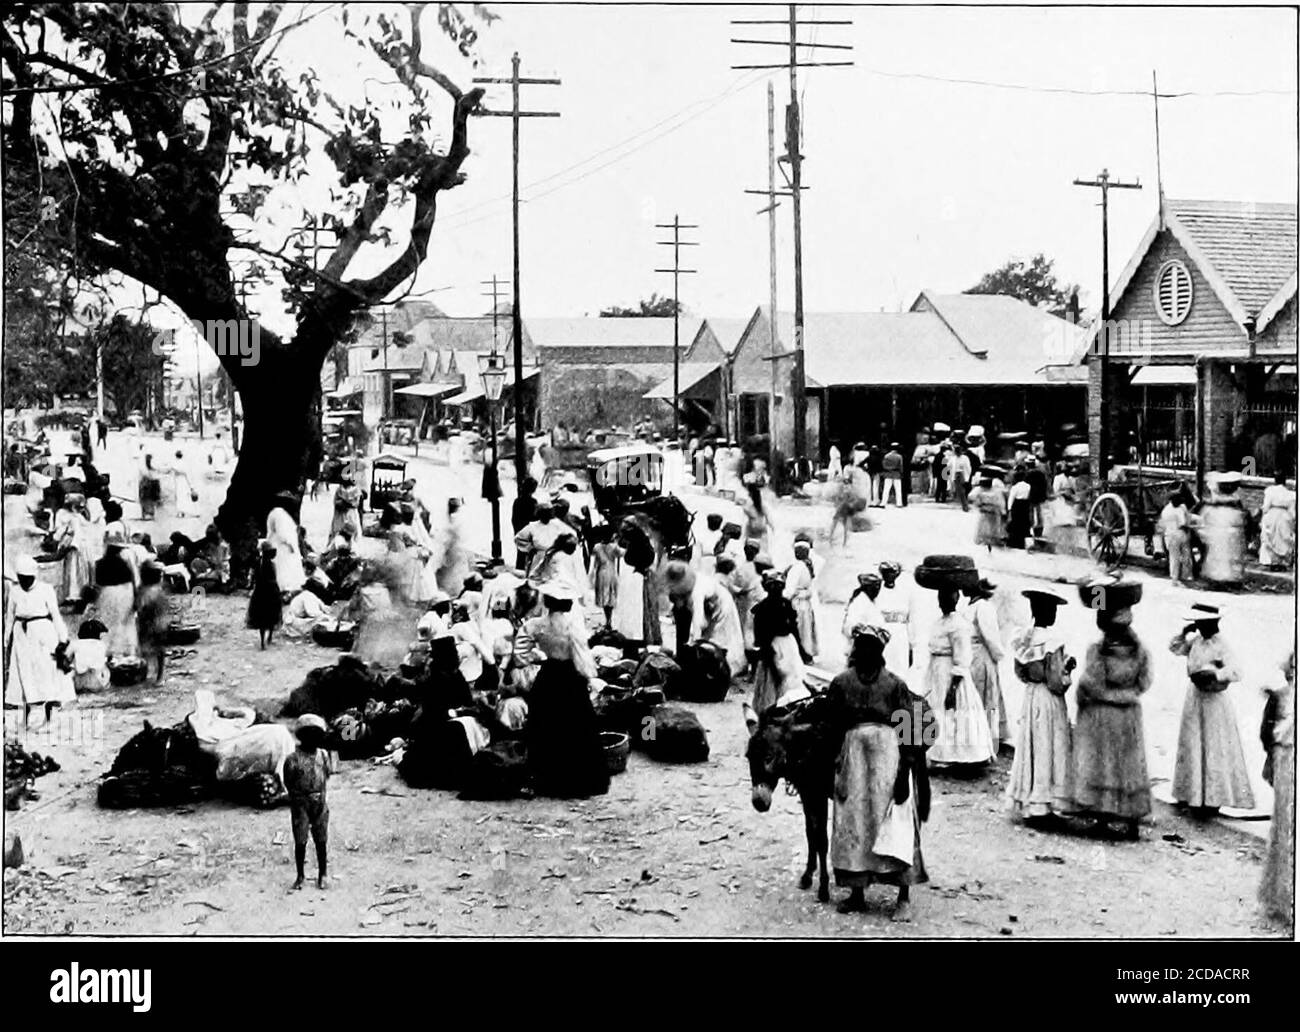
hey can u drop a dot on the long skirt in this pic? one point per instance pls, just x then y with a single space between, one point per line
606 586
990 529
1277 887
1277 538
150 493
1110 762
1019 522
115 607
650 619
864 789
1210 769
76 575
779 675
564 750
806 617
896 652
346 520
33 676
987 680
629 604
1041 774
964 730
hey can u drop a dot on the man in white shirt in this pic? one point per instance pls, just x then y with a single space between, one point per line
537 538
959 471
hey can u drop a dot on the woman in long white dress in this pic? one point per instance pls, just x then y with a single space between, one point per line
714 619
963 724
1277 524
897 603
987 653
801 590
117 577
70 536
282 533
33 632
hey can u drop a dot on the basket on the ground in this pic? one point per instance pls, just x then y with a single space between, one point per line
183 634
938 572
616 747
127 671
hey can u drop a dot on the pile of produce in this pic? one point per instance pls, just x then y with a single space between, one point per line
21 771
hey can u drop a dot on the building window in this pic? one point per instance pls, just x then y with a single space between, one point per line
1173 292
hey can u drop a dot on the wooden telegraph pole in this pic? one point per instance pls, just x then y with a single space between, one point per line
794 158
1105 184
677 243
517 323
771 193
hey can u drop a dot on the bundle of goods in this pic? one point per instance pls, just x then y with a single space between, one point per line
1109 592
705 675
158 767
607 637
658 670
361 733
335 634
954 572
144 789
14 486
263 791
440 757
673 735
21 771
328 691
182 634
126 671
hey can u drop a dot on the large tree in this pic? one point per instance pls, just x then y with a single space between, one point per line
142 122
1033 281
653 308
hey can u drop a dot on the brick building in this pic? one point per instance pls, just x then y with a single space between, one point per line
1202 358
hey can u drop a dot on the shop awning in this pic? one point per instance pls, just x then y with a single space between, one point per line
465 396
427 390
1165 376
689 374
350 386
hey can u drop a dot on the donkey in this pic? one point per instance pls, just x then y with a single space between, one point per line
794 742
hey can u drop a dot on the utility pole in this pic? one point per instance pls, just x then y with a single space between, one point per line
387 406
517 322
794 158
771 193
677 243
1104 183
495 491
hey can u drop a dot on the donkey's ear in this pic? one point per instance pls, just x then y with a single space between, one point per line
148 726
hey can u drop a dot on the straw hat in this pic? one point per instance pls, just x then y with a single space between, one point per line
310 720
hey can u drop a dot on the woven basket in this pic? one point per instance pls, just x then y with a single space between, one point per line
616 747
1109 595
938 572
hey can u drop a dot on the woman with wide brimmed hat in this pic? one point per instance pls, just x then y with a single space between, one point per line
1210 769
34 633
1110 762
1040 786
987 653
881 786
117 578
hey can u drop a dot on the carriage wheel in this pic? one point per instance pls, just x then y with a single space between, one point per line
1108 530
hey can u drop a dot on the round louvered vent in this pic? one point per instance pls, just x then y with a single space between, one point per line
1173 292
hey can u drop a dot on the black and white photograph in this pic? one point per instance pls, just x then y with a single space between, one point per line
598 471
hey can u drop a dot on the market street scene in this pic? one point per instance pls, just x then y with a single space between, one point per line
401 539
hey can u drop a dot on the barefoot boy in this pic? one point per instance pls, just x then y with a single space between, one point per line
306 771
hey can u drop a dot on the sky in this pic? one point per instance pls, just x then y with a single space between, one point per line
912 183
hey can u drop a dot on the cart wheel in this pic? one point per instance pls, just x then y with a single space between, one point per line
1108 530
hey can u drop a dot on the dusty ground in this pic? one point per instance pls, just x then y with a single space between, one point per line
670 850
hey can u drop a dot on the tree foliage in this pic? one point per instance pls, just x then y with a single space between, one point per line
156 140
653 308
1033 281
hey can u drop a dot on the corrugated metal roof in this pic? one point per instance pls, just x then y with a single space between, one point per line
688 375
614 332
1251 246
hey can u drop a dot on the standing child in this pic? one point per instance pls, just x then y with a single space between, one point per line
1040 788
306 774
152 618
264 605
89 656
1174 523
1210 769
604 572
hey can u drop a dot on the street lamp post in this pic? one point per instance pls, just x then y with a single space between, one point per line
493 370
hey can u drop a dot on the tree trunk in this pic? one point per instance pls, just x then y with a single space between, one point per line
279 450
